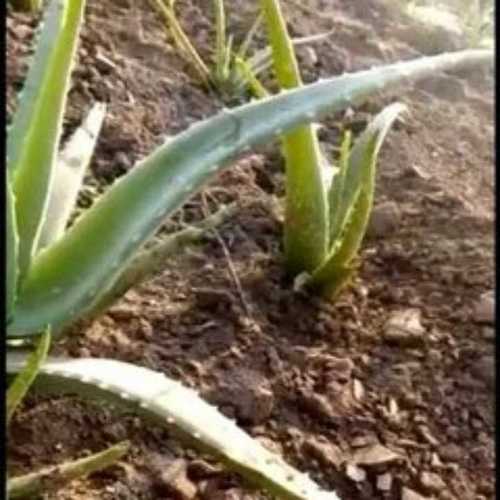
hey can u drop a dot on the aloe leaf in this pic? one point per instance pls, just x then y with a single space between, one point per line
34 136
21 384
12 242
51 478
152 260
65 278
306 210
360 174
337 186
220 40
356 201
166 401
69 173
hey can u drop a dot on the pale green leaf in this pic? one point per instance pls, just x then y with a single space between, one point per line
33 139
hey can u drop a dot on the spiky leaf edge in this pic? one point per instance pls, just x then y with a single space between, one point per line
165 401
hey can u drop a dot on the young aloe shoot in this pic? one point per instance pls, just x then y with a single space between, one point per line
325 222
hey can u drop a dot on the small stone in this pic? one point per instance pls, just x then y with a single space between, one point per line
320 449
431 482
104 64
384 220
318 405
376 454
484 311
358 390
362 441
404 328
175 480
414 170
355 473
407 494
436 462
384 482
450 453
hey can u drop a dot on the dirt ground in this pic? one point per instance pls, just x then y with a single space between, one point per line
367 409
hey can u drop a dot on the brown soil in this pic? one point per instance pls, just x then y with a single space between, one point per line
319 383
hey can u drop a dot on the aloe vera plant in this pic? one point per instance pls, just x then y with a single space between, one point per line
233 71
326 218
58 274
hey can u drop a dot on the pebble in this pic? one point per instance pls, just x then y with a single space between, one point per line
384 482
376 454
404 328
174 478
414 170
355 473
431 482
321 450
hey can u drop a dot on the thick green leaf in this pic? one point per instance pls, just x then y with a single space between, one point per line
34 136
306 211
360 174
66 278
337 187
12 241
50 478
27 374
157 397
68 176
356 202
